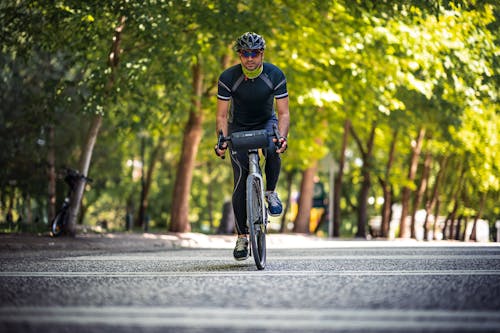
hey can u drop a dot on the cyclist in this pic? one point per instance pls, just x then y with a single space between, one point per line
246 98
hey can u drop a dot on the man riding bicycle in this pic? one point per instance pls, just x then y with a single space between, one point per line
246 96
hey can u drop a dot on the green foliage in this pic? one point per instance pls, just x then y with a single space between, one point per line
405 65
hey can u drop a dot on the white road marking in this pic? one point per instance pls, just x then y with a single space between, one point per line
194 274
268 318
169 257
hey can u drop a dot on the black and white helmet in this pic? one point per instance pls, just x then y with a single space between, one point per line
250 41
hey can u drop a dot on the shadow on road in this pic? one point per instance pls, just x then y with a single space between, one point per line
237 266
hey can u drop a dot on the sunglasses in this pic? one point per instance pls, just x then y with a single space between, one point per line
250 53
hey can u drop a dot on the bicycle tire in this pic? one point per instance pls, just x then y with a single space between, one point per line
57 226
256 217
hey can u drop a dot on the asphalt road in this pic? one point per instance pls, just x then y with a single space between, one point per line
188 284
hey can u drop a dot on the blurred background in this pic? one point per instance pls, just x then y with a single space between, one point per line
394 114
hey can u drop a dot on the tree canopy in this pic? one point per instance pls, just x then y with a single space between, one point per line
407 75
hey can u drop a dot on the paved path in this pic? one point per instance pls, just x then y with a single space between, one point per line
190 283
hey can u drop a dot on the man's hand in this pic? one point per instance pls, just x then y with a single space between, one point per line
221 146
220 151
283 144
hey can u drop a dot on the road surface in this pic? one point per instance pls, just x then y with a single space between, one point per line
153 284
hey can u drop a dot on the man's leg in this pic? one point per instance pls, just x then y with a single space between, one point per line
272 170
239 162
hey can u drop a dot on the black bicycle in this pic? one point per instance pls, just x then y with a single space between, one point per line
257 216
72 177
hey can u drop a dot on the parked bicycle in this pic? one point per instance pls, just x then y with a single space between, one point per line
59 222
257 214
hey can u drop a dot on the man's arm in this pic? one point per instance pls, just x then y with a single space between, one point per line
221 122
283 120
221 117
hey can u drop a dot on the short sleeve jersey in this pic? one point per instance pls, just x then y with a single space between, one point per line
252 100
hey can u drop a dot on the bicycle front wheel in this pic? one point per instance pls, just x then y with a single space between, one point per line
256 218
58 223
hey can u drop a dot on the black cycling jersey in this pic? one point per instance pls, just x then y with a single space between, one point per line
252 100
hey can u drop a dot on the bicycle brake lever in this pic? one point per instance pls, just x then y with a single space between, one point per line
220 141
278 136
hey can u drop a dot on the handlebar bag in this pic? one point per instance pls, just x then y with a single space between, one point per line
250 140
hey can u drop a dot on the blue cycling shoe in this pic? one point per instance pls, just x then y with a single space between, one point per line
274 203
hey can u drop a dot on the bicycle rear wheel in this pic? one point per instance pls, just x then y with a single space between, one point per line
57 225
256 217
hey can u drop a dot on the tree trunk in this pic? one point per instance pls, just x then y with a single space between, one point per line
113 61
146 186
366 183
458 226
337 186
76 200
289 180
385 220
430 204
139 222
387 189
464 233
191 142
420 193
365 187
436 215
450 219
473 236
301 224
51 173
406 192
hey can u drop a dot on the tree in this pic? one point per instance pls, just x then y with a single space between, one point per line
404 67
191 141
301 224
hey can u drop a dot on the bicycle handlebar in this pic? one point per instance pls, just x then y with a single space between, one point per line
277 135
222 139
75 174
